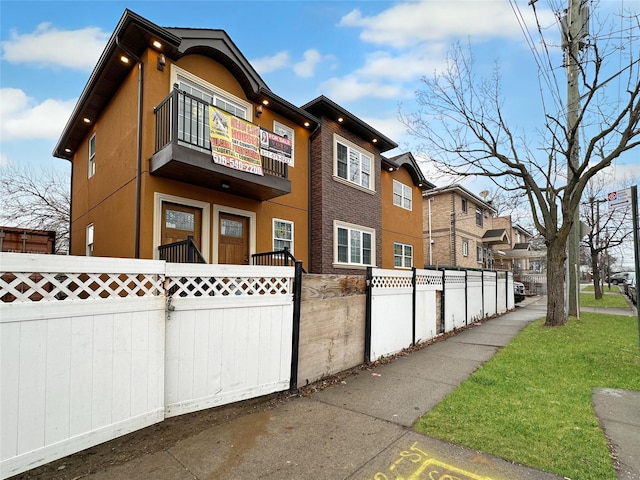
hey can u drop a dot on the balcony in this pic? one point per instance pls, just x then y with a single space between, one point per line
183 153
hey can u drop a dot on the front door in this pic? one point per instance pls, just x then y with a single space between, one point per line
233 239
180 221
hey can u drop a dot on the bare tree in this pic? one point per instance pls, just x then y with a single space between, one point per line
37 200
463 125
608 228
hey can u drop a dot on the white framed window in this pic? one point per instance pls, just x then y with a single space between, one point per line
282 235
402 255
402 195
287 132
464 205
352 163
479 255
92 155
465 248
353 244
89 237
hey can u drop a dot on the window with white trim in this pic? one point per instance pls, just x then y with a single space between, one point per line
479 255
464 205
352 164
287 132
402 195
282 235
92 155
465 248
402 255
354 245
89 250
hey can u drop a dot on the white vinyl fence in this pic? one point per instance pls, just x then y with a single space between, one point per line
392 309
402 304
88 352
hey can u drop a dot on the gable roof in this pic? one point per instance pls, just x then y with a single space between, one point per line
132 37
498 235
408 161
460 190
324 106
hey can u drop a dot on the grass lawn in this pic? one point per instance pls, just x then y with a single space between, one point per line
610 300
531 403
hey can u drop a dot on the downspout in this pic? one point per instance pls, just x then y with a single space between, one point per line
138 148
430 238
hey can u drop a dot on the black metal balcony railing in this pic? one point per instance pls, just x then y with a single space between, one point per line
184 251
184 119
280 258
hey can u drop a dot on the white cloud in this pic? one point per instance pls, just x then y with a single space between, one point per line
413 23
405 67
351 88
306 67
49 47
270 64
390 127
22 118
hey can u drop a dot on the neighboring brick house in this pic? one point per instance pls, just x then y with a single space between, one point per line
512 255
461 230
147 175
455 222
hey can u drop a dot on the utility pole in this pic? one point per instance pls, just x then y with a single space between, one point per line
574 31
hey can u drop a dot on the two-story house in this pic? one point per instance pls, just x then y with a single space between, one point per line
177 141
457 228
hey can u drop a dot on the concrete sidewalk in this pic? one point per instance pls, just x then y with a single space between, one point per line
360 428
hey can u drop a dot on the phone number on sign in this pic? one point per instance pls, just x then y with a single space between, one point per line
237 164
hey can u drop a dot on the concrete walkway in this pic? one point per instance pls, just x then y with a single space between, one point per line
360 428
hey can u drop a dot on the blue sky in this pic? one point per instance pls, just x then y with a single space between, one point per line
367 56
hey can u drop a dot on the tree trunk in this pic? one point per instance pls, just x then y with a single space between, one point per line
555 285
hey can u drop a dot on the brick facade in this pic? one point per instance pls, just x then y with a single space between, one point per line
333 199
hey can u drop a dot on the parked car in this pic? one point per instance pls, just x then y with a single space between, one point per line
518 291
631 290
621 277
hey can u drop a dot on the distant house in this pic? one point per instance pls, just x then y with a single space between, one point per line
461 230
455 222
25 240
177 142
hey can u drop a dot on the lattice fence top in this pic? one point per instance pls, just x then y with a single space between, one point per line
454 279
34 287
390 281
434 278
22 281
197 286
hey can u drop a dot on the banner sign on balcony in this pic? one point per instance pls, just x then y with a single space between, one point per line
234 142
275 147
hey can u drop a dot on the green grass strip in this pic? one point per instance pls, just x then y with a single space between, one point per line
531 403
610 300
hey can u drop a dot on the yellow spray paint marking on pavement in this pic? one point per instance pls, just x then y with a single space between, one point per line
415 464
